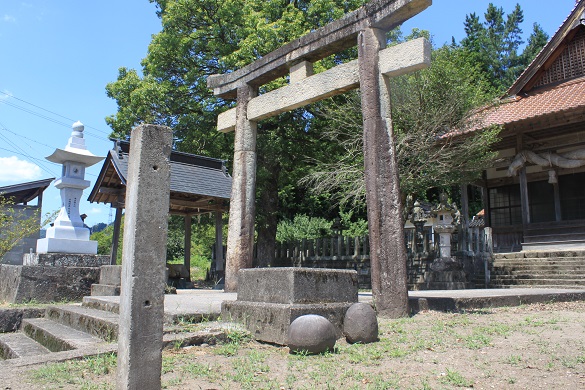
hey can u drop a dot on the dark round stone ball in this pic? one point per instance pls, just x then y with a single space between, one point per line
311 333
360 324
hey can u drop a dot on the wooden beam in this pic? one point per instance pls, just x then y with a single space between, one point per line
394 61
187 257
330 39
116 237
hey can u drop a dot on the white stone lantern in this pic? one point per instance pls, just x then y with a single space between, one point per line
67 234
444 226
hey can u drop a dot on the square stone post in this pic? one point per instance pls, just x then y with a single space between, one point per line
143 261
387 249
240 242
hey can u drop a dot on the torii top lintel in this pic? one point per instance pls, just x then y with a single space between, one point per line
330 39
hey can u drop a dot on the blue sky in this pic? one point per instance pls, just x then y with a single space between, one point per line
58 56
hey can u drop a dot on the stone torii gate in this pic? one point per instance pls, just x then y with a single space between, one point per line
366 27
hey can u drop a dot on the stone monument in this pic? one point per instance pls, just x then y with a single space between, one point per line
446 272
68 235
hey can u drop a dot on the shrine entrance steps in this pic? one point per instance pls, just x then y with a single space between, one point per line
542 269
551 236
73 331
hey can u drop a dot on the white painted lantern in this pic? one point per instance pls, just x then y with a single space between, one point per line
68 235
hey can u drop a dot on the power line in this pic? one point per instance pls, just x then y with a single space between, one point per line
41 161
49 111
29 139
49 118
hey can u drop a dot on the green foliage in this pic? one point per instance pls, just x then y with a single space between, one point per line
18 222
200 38
202 240
495 43
104 240
426 106
303 226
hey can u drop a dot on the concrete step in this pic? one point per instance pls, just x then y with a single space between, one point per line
99 323
101 290
550 268
530 275
18 345
540 254
543 260
111 274
551 286
538 282
547 237
57 337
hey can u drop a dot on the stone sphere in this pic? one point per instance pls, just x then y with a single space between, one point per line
360 324
311 333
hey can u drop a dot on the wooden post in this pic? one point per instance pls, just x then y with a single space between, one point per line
116 236
388 257
187 257
557 198
464 216
524 200
219 242
242 206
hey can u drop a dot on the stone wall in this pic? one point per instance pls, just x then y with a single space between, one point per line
22 284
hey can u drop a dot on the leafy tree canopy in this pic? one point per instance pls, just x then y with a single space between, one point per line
495 44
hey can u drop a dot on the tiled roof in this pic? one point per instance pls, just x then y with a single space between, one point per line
198 184
565 97
186 178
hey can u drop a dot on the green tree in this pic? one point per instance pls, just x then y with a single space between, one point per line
426 106
16 224
495 44
204 37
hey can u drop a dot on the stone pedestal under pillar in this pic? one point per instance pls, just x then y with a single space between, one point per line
269 299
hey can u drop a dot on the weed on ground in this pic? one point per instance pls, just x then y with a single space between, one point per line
533 346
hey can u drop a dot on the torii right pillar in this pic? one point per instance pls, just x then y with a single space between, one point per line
387 249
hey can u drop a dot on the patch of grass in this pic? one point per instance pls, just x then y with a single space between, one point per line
514 360
454 378
87 373
477 340
236 338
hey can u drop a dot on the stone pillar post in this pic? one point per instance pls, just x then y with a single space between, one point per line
143 267
388 252
240 243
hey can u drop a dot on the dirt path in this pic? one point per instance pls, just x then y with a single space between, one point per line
530 347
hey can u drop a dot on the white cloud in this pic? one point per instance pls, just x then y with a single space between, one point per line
14 170
9 19
5 94
94 210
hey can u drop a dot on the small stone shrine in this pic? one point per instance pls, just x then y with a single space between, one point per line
446 272
270 299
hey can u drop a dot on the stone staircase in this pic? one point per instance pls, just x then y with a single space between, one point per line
110 280
76 330
542 269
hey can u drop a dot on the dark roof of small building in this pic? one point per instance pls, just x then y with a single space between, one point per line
198 184
25 192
